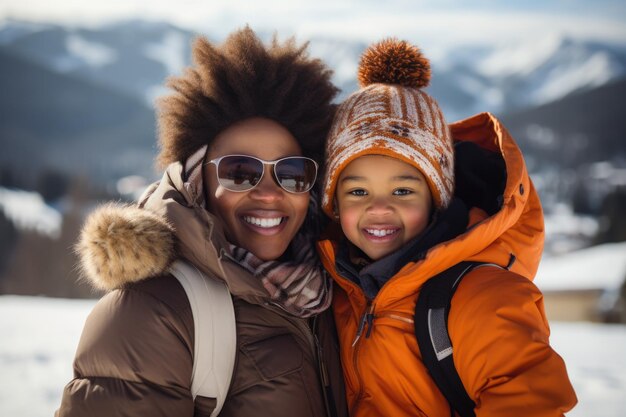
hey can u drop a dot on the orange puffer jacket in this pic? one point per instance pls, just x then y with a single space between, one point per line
497 322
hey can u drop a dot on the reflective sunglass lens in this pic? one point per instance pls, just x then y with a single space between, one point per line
296 175
239 173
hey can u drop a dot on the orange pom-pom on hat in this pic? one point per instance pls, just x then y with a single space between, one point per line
390 115
394 62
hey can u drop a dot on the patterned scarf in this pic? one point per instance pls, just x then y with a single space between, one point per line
300 286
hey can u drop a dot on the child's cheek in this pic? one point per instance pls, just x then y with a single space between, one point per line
349 220
415 222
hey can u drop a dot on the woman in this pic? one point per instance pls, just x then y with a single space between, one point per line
233 201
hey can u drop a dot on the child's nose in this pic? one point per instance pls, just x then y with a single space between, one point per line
379 206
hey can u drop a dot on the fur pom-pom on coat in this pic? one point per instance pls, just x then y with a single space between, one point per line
121 244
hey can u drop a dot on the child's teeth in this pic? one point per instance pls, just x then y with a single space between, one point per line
263 222
380 233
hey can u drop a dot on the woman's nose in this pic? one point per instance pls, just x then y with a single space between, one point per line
267 189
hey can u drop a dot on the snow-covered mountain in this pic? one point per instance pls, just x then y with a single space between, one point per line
514 76
132 57
136 57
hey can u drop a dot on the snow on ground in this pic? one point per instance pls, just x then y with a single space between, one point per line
594 355
39 338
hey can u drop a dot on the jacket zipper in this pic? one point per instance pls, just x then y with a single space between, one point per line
367 319
314 344
323 372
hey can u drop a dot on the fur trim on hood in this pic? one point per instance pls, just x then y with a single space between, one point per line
121 244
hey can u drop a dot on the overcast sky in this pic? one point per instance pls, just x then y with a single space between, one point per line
430 20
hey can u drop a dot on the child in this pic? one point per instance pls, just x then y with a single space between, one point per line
390 182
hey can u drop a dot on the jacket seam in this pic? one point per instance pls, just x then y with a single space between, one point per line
141 382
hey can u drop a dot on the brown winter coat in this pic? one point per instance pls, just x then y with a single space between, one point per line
136 353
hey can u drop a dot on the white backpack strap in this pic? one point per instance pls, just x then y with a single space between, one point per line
215 341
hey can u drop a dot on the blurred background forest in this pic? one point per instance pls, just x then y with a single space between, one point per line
77 120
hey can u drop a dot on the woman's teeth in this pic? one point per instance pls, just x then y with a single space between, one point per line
265 223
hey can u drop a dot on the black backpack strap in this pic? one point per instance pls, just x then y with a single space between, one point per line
431 330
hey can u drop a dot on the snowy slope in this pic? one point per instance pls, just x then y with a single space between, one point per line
39 337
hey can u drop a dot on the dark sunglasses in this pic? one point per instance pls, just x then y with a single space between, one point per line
238 173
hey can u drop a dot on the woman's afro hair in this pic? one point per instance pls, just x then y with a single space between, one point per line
240 79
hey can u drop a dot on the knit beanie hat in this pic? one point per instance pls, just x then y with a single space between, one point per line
391 115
